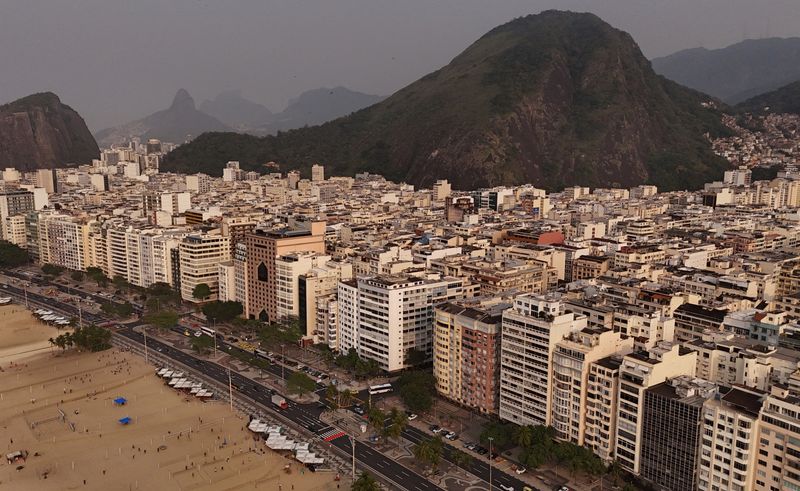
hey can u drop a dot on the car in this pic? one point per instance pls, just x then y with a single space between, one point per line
439 430
471 446
506 487
358 410
452 436
411 416
435 428
481 450
521 470
527 488
563 488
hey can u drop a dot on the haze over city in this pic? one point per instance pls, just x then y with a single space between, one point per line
453 245
116 61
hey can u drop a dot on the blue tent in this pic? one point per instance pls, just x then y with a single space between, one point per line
120 401
125 420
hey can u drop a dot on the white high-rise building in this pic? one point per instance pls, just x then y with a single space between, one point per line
640 371
385 317
531 330
288 270
200 256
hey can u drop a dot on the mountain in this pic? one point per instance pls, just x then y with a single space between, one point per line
177 124
738 72
553 99
783 100
319 106
39 131
310 108
234 110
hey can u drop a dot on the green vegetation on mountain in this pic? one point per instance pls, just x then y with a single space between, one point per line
553 99
783 100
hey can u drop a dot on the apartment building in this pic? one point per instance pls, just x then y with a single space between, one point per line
140 256
572 359
320 281
58 239
692 321
639 371
672 426
495 277
601 414
466 345
264 247
327 320
589 267
385 317
729 444
778 461
227 282
200 256
289 269
531 329
628 256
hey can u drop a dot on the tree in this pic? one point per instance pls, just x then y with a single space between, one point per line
615 471
222 311
166 319
97 275
12 255
300 383
501 434
365 482
398 421
91 337
523 436
415 357
376 419
460 458
201 292
345 398
117 309
52 270
202 344
416 389
429 452
120 282
77 275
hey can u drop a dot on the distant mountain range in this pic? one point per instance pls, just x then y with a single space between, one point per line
738 72
553 99
179 123
39 131
310 108
231 112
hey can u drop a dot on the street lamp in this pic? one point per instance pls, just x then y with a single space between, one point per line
491 439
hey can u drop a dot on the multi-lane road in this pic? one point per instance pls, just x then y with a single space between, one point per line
304 415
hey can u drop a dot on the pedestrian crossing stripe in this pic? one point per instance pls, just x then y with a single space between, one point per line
332 434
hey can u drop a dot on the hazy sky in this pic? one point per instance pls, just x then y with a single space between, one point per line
117 60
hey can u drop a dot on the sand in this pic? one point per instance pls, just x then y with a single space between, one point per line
22 334
60 406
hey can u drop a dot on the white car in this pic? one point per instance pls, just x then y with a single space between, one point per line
412 416
521 470
507 488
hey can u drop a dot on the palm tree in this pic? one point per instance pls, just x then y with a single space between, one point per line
331 392
365 482
523 436
345 398
377 419
461 458
615 471
397 423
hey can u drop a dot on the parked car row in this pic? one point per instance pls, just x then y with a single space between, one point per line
438 430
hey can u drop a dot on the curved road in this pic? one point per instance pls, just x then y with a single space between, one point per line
305 415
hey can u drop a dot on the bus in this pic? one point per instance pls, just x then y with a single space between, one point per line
379 389
261 354
208 331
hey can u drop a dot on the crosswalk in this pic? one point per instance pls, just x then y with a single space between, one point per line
329 433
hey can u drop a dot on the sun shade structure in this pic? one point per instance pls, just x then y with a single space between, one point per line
125 420
120 401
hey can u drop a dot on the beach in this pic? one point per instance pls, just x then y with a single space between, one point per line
22 335
59 407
